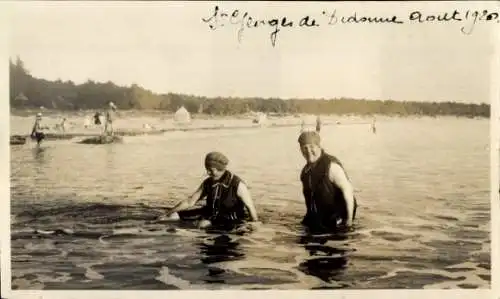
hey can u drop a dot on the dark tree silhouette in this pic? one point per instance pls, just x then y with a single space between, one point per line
27 91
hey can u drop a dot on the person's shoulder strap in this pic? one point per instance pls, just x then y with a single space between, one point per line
334 159
236 179
233 180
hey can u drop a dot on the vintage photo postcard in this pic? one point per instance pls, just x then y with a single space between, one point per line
342 148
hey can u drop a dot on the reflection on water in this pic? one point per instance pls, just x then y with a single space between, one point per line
326 261
39 154
220 249
82 214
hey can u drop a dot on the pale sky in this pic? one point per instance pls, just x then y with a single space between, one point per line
165 47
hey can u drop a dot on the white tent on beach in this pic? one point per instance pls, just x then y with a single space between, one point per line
21 97
260 118
182 116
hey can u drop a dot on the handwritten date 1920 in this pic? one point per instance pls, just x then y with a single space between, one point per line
456 16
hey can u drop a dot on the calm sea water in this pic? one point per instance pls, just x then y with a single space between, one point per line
80 213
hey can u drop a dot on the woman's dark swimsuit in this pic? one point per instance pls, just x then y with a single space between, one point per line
326 206
39 136
223 206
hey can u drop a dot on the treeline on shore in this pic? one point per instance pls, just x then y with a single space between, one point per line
28 92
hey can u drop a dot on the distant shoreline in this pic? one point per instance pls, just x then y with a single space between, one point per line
205 116
29 94
129 122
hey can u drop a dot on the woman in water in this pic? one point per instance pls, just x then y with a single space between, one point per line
63 125
36 132
318 124
227 198
97 118
327 190
110 113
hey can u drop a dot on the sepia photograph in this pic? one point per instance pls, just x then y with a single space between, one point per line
249 146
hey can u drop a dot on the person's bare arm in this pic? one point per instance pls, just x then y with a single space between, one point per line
245 196
338 176
188 202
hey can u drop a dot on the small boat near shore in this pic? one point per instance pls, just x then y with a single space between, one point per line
17 140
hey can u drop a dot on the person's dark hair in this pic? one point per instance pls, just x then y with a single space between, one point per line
216 160
309 137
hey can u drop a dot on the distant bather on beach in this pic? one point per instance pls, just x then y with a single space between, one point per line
37 131
374 128
62 125
97 118
318 124
110 115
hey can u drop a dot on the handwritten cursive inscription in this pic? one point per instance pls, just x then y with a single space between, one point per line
244 21
357 19
469 17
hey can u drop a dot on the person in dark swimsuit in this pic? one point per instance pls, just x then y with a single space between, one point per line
228 201
327 190
97 118
318 124
36 132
